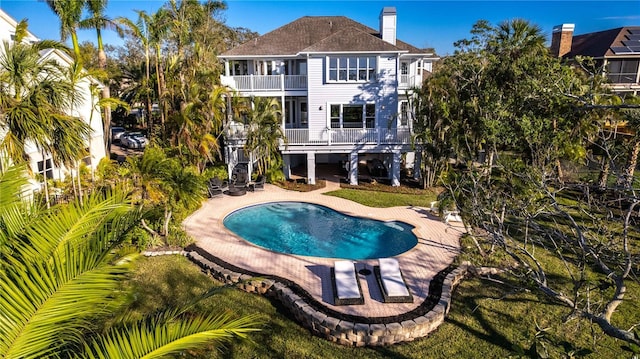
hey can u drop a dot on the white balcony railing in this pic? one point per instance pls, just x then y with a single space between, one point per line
345 136
253 83
407 81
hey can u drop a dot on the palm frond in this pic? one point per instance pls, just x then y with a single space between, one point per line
75 223
40 297
157 338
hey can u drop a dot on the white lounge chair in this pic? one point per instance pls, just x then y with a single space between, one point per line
346 286
452 216
391 282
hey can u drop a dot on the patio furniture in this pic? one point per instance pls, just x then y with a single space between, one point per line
346 286
258 185
452 216
241 180
391 281
237 191
216 187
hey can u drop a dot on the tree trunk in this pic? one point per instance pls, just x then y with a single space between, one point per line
165 229
79 183
559 172
148 104
73 184
626 180
46 185
160 79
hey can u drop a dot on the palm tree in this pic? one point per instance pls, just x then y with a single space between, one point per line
141 31
36 98
165 182
99 21
519 37
69 12
60 276
265 133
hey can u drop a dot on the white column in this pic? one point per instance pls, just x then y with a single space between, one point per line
286 167
395 169
226 68
353 168
417 164
311 168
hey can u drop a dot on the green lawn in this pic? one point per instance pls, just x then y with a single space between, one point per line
385 199
485 321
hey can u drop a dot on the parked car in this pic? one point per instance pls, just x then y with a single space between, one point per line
116 134
134 140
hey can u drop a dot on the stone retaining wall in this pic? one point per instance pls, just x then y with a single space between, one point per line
345 332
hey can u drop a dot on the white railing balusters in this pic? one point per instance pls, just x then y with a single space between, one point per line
266 82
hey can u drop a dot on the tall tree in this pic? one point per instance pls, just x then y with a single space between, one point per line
37 100
99 21
141 31
69 12
265 134
504 90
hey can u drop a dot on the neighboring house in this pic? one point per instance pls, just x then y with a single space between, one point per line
86 110
344 90
616 50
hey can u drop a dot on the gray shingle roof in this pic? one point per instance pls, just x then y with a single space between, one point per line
319 34
598 44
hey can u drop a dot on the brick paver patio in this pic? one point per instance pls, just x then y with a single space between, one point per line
438 244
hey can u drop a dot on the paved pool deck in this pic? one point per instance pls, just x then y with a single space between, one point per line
438 244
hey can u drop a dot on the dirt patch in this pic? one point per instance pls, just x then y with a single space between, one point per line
300 185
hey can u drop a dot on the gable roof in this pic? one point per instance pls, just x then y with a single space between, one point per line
599 44
319 34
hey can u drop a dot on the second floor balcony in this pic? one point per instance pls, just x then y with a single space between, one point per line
409 81
257 83
331 136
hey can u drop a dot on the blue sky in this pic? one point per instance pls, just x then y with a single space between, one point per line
421 23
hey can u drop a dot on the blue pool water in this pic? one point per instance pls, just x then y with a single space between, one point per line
313 230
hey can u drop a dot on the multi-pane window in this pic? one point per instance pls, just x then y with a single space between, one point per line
239 68
45 167
335 116
404 113
352 116
352 69
370 115
622 71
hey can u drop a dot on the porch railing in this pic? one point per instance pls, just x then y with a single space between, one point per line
253 83
347 136
407 81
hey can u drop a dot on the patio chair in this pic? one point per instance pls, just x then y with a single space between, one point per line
258 185
391 281
214 191
346 286
216 187
241 180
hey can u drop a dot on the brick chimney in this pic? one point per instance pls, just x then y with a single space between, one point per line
388 24
561 39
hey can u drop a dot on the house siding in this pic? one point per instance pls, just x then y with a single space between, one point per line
321 94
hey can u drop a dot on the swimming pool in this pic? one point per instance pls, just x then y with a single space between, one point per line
312 230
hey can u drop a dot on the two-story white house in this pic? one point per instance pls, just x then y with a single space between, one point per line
343 86
85 110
